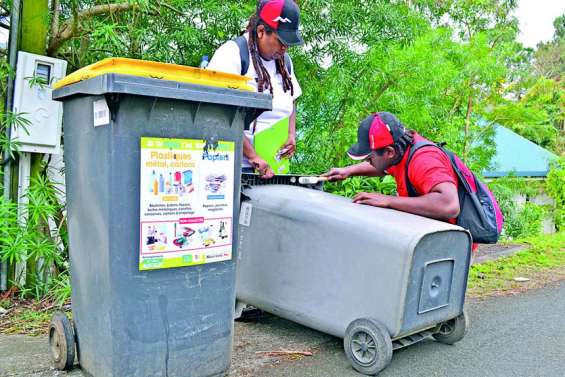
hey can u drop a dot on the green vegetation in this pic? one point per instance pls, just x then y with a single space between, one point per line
34 239
352 186
541 262
556 189
524 220
27 321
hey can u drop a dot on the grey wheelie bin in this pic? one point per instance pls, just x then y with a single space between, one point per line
378 278
152 160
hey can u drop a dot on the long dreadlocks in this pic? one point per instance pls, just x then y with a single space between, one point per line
263 78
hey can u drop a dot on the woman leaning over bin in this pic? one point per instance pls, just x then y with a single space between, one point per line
271 31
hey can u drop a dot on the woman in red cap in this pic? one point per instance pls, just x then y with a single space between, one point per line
261 54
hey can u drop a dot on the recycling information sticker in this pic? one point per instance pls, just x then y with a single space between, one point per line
186 202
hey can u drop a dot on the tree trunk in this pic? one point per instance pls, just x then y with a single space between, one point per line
467 125
35 28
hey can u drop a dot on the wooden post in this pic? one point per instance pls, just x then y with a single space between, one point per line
33 39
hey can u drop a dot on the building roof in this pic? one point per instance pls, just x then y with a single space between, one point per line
518 155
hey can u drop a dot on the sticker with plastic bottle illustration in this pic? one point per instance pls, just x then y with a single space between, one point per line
186 202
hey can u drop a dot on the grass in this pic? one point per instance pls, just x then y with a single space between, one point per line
542 262
27 321
31 316
28 317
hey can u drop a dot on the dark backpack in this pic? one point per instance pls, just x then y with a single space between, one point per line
479 211
244 56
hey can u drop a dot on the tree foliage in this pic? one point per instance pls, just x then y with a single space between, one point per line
533 105
555 187
440 66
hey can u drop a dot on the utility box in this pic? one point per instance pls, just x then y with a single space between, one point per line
35 75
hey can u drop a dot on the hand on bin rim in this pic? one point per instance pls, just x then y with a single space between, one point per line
336 174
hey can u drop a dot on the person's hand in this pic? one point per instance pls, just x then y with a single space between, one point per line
372 199
289 147
336 174
262 167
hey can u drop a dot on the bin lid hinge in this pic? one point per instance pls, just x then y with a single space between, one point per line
113 101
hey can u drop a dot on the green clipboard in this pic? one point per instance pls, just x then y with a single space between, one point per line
268 142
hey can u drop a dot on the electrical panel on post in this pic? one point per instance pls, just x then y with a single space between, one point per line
35 75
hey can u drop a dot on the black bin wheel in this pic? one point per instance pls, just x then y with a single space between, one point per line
452 331
367 346
62 341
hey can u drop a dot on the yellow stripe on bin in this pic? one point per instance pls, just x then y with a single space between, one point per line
156 70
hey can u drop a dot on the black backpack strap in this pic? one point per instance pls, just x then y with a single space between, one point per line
288 63
243 53
420 144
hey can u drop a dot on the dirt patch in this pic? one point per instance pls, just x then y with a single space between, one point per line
270 333
27 317
487 253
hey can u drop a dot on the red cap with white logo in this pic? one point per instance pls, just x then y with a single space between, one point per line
283 16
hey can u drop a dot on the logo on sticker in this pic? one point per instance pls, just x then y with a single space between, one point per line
215 156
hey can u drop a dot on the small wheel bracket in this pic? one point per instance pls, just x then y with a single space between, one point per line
453 330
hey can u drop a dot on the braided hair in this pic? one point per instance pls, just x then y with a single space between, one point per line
263 78
400 146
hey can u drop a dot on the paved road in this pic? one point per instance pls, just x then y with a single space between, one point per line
515 336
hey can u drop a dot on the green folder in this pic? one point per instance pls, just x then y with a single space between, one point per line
268 142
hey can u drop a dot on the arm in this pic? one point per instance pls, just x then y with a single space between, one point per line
227 59
290 144
441 203
258 163
361 169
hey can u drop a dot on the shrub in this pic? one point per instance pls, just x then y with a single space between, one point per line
555 187
519 221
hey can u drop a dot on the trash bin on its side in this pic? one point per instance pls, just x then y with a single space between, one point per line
380 279
153 178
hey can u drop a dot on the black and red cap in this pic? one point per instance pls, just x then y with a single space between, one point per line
282 16
375 132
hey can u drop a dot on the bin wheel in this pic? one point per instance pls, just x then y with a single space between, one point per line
452 331
62 341
238 311
368 346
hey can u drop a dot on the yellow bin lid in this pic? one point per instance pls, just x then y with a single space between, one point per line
155 70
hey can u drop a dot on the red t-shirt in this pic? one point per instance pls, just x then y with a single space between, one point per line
428 168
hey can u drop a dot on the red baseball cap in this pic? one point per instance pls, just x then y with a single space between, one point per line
375 132
283 16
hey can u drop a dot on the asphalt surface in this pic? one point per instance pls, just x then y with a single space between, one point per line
521 336
515 336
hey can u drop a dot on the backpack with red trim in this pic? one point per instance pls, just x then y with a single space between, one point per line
479 210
